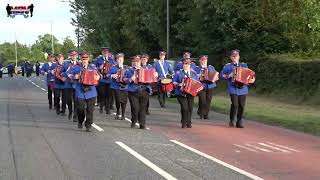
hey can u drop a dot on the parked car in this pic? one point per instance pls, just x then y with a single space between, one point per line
4 70
19 70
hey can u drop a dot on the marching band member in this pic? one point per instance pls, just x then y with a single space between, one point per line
205 96
118 87
104 90
70 85
59 87
179 65
164 70
138 94
45 70
185 100
238 92
145 65
85 94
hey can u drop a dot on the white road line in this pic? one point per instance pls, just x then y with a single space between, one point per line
146 161
284 147
218 161
259 148
37 86
129 120
97 127
276 148
244 147
43 89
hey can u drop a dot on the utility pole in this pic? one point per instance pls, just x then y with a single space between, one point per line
15 47
52 47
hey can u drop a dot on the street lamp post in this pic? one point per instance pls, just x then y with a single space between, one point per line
168 29
52 47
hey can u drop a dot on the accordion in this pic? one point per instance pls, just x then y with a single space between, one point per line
87 77
145 76
210 76
242 75
106 68
191 86
57 73
120 75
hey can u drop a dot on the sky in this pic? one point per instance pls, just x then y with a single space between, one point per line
28 29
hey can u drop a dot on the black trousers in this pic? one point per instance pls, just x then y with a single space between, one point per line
59 95
37 73
70 99
237 107
22 72
121 99
50 93
138 103
205 98
186 105
148 104
10 73
161 95
105 96
0 74
85 108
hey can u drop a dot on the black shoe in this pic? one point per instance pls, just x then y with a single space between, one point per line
88 129
132 125
162 106
201 117
189 126
183 126
62 113
147 113
239 126
70 116
101 111
50 106
117 117
79 126
108 112
142 127
205 117
123 117
112 108
57 112
231 124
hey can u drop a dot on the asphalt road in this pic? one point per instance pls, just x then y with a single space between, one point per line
38 144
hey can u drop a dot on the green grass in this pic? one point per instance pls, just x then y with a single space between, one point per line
300 118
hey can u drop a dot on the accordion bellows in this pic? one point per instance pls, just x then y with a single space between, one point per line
57 73
146 76
87 77
191 86
243 75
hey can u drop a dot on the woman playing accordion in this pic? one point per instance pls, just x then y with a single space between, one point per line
185 95
208 77
118 86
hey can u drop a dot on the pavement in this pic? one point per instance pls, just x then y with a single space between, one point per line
38 144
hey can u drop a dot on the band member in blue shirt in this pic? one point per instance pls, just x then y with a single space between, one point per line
145 65
237 91
205 96
118 86
59 86
185 100
46 70
164 71
85 94
179 65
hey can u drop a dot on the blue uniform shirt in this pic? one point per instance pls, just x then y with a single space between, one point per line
132 87
232 88
179 66
178 77
99 62
68 67
46 68
166 66
114 84
206 85
58 84
79 88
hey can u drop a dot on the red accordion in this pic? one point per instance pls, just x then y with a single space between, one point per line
242 75
87 77
191 86
145 76
57 73
211 76
120 75
106 68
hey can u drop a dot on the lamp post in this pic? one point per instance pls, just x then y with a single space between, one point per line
168 29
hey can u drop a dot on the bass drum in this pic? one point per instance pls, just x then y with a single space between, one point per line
166 85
